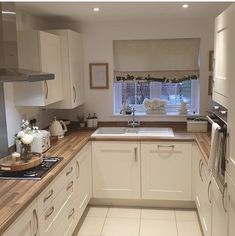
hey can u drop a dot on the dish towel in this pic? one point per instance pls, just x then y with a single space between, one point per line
214 147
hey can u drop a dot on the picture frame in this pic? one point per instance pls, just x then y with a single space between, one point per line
211 60
99 78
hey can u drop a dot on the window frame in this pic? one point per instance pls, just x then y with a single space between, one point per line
155 91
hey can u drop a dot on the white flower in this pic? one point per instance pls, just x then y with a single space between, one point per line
20 134
27 139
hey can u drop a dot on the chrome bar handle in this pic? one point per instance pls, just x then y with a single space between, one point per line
223 196
78 169
70 185
36 218
71 213
51 210
48 196
135 151
208 191
70 171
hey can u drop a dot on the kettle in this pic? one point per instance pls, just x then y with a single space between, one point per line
58 128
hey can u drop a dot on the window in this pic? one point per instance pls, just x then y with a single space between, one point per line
134 94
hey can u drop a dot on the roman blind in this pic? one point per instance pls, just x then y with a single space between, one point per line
171 60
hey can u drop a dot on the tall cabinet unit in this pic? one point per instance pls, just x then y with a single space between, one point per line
39 51
72 69
231 112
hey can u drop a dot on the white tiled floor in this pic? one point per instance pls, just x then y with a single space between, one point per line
102 221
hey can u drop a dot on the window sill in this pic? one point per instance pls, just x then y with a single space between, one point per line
169 114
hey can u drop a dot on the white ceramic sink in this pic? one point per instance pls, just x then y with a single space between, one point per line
133 132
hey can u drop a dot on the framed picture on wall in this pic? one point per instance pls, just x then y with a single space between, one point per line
99 75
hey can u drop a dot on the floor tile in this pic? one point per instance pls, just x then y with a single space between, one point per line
158 214
121 227
124 213
158 228
92 226
97 212
186 215
186 228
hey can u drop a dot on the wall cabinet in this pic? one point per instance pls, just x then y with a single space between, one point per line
39 51
203 191
166 171
27 224
116 169
71 68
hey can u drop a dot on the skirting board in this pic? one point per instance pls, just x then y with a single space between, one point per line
142 203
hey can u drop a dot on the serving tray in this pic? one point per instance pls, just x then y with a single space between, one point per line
7 164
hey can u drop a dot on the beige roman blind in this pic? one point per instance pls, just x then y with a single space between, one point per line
170 60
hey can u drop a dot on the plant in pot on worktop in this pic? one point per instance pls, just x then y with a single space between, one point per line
25 138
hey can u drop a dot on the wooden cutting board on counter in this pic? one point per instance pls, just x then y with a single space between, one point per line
7 163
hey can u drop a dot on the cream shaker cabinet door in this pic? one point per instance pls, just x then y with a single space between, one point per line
219 214
166 171
116 170
39 51
51 62
229 205
26 224
83 181
203 194
71 68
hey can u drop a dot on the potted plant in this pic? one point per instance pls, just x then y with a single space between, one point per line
25 138
81 120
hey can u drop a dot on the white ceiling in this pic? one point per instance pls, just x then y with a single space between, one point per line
82 11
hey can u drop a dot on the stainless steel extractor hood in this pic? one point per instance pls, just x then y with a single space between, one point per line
9 70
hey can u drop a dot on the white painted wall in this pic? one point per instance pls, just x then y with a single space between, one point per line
14 115
98 47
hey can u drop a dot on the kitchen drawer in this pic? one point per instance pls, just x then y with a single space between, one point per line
61 181
55 206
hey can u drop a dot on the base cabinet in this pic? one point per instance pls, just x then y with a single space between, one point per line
83 181
219 214
27 224
116 170
229 205
203 192
166 171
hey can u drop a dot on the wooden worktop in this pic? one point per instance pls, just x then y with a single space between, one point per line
16 195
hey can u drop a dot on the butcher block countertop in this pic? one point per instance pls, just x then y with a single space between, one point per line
16 195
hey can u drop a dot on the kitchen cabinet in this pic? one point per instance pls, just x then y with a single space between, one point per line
39 51
230 168
71 68
55 202
229 205
116 169
83 181
27 223
203 191
219 216
166 171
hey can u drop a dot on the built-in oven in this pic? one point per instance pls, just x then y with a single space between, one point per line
219 116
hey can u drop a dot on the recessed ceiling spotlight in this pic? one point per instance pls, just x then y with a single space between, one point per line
8 12
96 9
185 6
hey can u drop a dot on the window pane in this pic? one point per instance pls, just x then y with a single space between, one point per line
174 93
135 93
